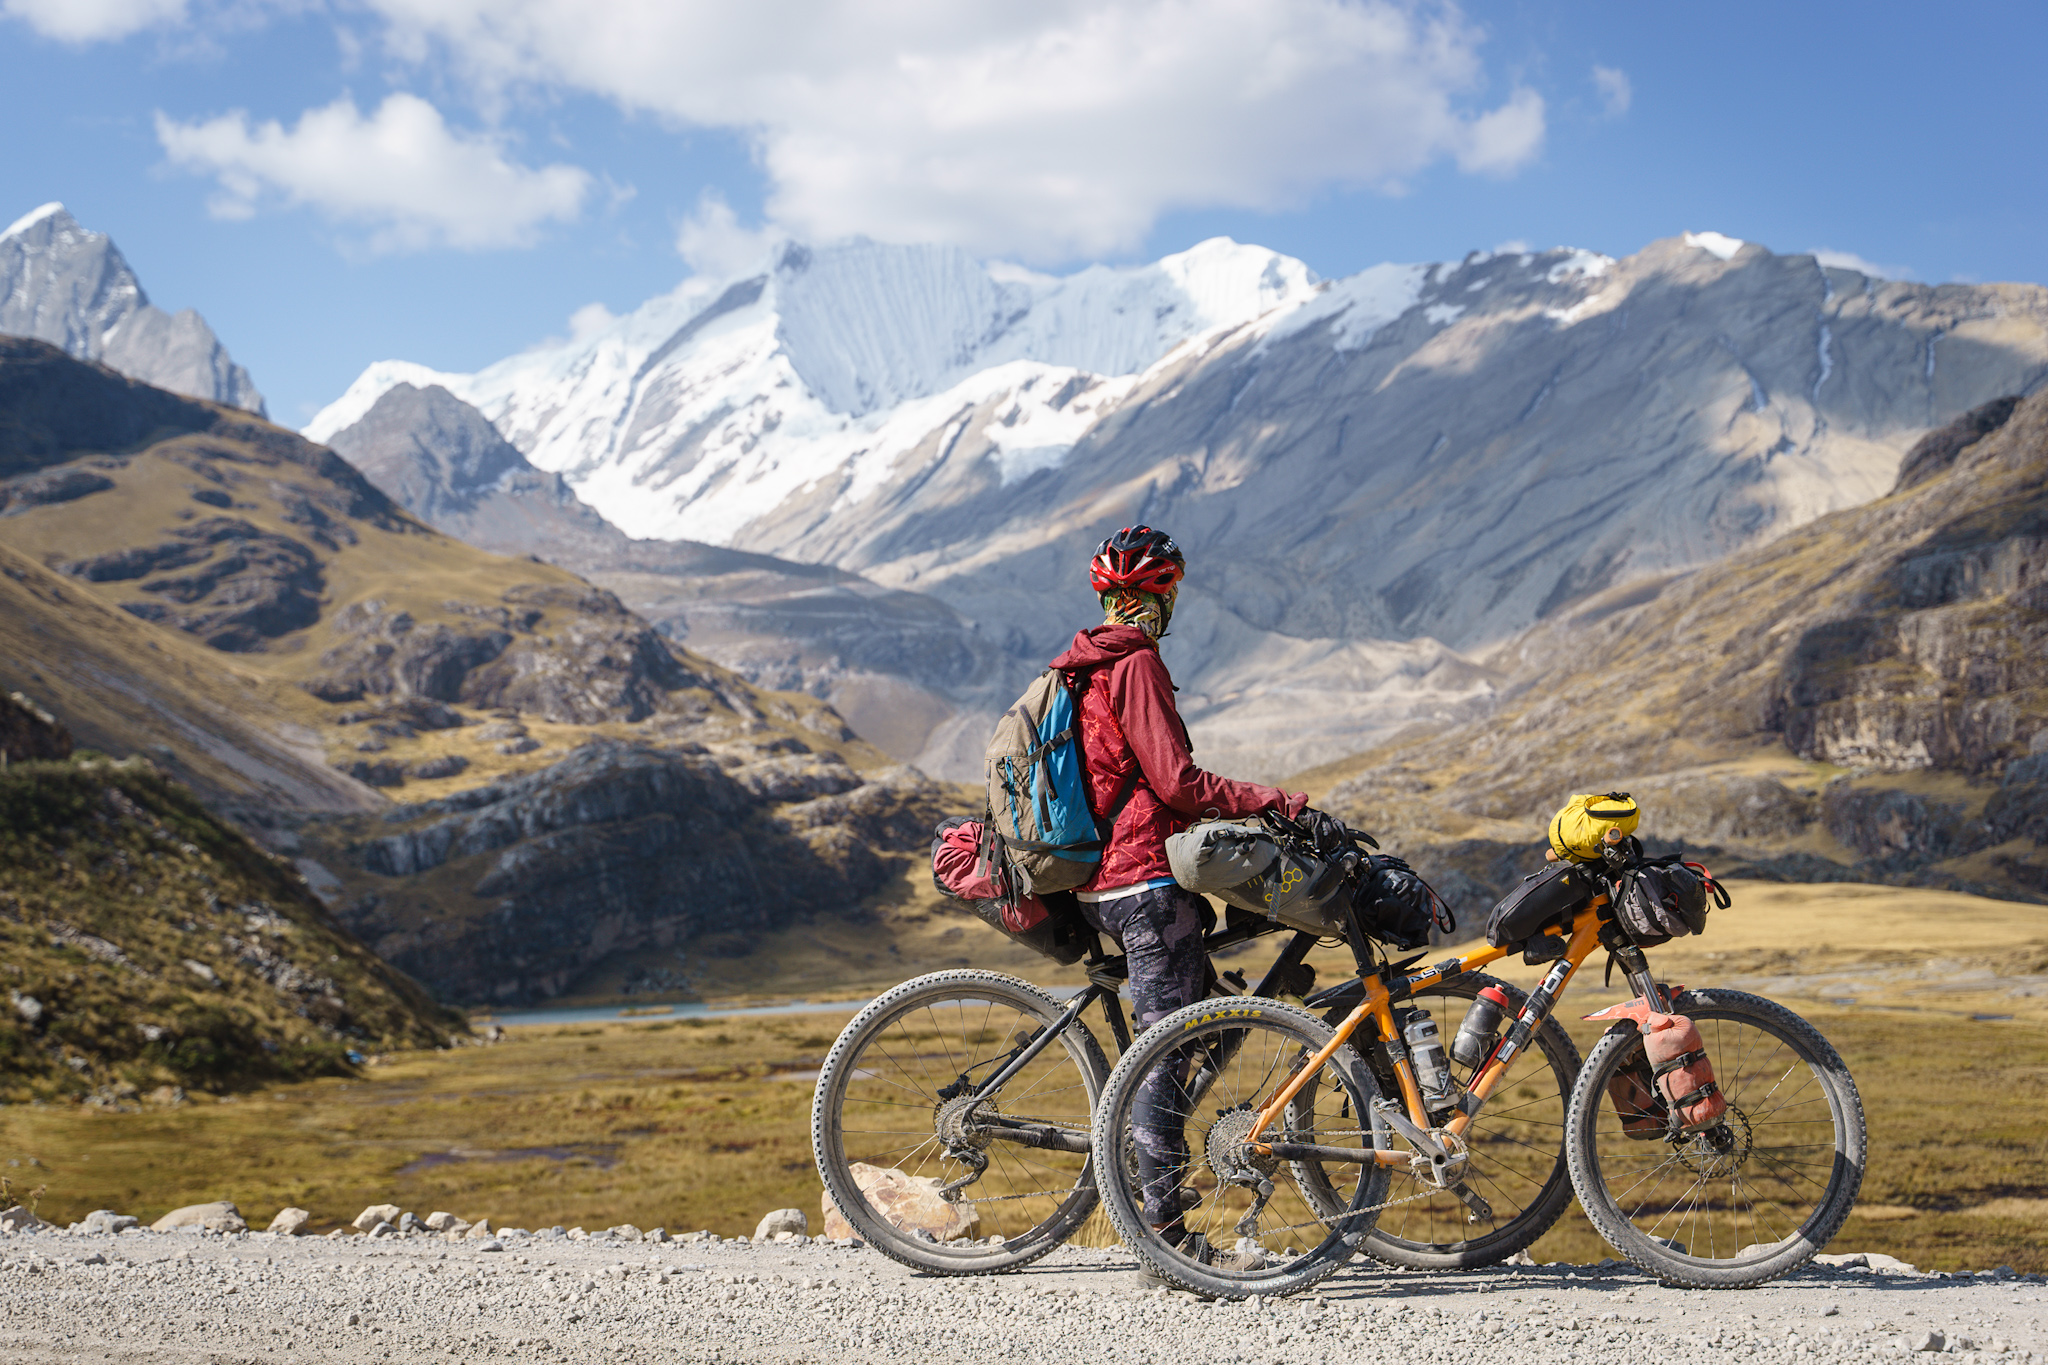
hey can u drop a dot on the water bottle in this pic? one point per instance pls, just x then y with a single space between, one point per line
1426 1055
1474 1043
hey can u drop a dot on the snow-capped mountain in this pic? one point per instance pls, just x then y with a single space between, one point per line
65 285
1377 479
708 408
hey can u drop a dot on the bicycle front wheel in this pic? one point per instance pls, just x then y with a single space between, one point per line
1190 1195
927 1171
1757 1195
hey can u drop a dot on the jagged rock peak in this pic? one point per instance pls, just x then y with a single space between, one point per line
65 284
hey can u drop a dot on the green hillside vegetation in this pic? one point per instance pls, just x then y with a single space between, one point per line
144 944
1864 698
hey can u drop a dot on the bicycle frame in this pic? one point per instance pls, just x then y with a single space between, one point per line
1380 997
1106 976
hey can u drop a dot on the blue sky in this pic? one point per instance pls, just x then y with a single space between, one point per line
450 181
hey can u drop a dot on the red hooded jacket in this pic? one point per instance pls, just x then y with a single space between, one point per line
1129 724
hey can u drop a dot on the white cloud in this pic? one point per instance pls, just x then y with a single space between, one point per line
713 242
1052 130
1616 94
402 173
85 21
589 320
1849 260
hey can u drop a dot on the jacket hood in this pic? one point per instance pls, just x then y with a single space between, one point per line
1100 645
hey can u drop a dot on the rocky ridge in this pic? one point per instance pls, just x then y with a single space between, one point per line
667 856
1863 698
72 287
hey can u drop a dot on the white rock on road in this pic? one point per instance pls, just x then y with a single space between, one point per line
219 1216
375 1214
290 1222
781 1223
189 1297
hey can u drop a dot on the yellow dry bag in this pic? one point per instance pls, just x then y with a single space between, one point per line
1576 832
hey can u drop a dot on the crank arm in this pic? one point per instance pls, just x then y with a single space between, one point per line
1482 1212
1417 1138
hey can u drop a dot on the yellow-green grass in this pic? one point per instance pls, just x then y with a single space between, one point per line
705 1131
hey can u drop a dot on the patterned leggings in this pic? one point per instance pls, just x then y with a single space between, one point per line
1160 931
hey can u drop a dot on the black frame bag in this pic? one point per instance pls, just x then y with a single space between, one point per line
1555 894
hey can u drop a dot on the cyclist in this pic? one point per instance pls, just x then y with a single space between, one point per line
1143 784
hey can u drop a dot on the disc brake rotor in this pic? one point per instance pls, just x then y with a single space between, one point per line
1719 1155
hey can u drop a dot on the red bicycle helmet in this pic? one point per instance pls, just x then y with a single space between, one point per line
1137 557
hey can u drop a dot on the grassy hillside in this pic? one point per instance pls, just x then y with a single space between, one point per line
242 599
144 944
1865 697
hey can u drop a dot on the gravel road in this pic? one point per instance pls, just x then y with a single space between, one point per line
227 1300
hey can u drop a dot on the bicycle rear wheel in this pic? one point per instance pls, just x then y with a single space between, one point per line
1750 1199
1516 1166
894 1122
1252 1231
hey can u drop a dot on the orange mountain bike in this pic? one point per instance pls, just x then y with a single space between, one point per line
1262 1144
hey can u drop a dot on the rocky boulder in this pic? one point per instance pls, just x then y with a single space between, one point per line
375 1214
19 1219
106 1223
909 1202
289 1222
220 1216
782 1223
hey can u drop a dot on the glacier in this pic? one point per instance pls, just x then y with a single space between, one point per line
711 405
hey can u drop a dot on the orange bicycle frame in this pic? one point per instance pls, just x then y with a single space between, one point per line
1378 1006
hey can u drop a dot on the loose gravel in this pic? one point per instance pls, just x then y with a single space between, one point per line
242 1299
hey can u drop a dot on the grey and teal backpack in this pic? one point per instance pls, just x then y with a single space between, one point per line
1038 817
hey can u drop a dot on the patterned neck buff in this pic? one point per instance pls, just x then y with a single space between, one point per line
1148 611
